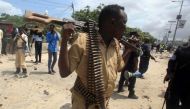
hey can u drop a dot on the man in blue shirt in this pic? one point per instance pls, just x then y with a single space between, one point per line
52 37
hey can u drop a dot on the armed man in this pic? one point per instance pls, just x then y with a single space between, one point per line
112 20
178 73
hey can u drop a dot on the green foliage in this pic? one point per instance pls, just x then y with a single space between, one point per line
16 20
143 35
87 13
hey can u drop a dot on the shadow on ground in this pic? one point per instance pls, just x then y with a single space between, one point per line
31 61
66 106
38 73
11 59
7 72
116 96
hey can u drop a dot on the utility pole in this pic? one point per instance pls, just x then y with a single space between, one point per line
73 10
179 16
169 31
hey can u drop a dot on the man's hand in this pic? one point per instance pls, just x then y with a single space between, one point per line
152 57
64 66
17 36
67 30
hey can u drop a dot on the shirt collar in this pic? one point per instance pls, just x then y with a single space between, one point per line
113 42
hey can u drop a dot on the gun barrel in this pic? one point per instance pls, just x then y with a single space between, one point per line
124 42
31 16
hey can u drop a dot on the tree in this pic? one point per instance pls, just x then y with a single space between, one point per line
15 19
143 35
87 13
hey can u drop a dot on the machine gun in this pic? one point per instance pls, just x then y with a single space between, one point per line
31 16
79 25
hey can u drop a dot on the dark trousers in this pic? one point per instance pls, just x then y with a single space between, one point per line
38 50
121 81
50 63
4 46
143 65
175 95
131 82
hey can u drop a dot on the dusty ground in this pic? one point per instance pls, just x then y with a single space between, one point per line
43 91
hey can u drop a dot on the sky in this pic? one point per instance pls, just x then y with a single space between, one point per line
149 15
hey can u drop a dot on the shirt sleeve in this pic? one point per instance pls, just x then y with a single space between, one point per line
47 38
33 37
75 53
120 62
26 38
58 36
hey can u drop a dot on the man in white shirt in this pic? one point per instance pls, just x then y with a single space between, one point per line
37 38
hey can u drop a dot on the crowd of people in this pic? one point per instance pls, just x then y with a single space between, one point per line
112 24
21 46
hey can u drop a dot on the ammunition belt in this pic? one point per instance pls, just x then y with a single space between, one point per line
95 83
82 90
90 97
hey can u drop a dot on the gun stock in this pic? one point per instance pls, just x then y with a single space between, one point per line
31 16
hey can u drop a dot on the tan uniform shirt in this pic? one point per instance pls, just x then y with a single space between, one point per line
112 61
20 53
20 42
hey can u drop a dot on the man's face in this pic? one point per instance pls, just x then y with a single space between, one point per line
120 25
51 28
